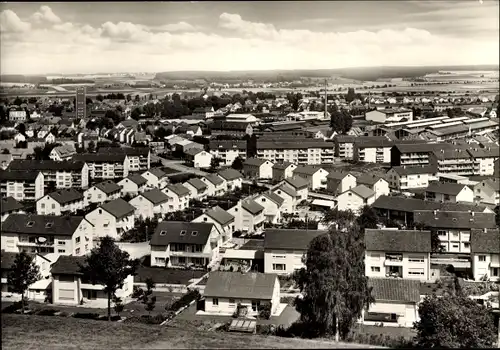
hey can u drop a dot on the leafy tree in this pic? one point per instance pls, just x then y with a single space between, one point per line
21 128
237 163
351 95
252 146
108 265
367 218
99 98
18 101
91 147
137 98
333 284
214 163
343 218
24 272
454 321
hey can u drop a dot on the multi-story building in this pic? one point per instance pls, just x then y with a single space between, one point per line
21 185
456 161
177 243
178 196
248 216
222 220
139 158
228 151
315 177
410 154
81 103
373 151
484 160
398 253
112 219
103 166
404 177
306 151
346 145
17 115
444 192
65 174
66 235
60 202
485 254
102 192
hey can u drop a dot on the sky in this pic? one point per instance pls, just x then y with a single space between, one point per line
91 37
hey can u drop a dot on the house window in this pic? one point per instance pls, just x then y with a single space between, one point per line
263 199
62 251
194 233
467 245
163 233
441 233
375 268
279 267
160 261
77 240
61 242
349 194
255 305
215 302
482 258
279 256
204 219
30 224
417 259
48 225
495 272
416 272
183 232
42 205
77 251
231 302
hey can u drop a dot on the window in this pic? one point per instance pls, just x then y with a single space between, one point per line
482 257
163 233
495 271
231 302
467 245
279 267
77 251
375 268
235 209
194 233
255 305
215 302
417 259
204 219
160 260
42 205
416 272
53 206
279 256
30 223
48 225
62 251
61 242
77 240
183 232
441 233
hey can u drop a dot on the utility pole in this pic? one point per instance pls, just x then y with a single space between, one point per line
326 98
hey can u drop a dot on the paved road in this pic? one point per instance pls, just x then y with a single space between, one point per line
177 165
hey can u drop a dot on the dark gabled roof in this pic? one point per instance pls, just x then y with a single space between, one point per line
368 179
155 196
230 174
41 165
274 197
453 219
193 151
179 189
108 187
289 239
297 182
454 153
362 191
118 208
101 157
445 188
220 215
282 166
170 232
392 289
421 147
489 152
137 179
287 189
306 169
254 161
413 204
156 172
360 140
404 241
129 151
66 195
494 183
237 285
252 206
197 184
414 170
337 175
67 265
18 175
9 204
41 224
485 241
214 179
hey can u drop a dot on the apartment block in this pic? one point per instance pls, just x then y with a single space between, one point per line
21 185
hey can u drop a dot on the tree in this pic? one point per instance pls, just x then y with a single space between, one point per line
342 218
146 296
118 305
237 163
99 98
454 321
24 272
214 163
333 283
351 95
91 147
108 265
368 218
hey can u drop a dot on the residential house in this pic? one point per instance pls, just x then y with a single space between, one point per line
404 177
66 235
216 185
156 178
248 216
10 206
284 249
150 204
300 185
396 302
103 192
65 201
178 196
485 254
376 183
225 291
133 185
228 151
289 195
223 221
104 166
315 177
488 191
177 243
63 152
338 182
257 168
198 158
272 204
283 170
449 192
21 185
398 253
233 178
197 188
70 288
355 199
112 219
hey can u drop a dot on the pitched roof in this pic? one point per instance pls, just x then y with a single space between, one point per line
129 151
118 208
230 174
101 157
18 175
254 161
287 189
108 187
274 197
137 179
297 182
306 169
155 196
368 179
220 215
41 165
290 239
282 166
193 151
414 170
9 204
252 206
66 150
362 191
453 219
197 183
485 241
337 175
157 172
66 195
494 183
489 152
413 204
214 179
237 285
67 265
398 240
179 189
392 289
445 188
170 232
41 224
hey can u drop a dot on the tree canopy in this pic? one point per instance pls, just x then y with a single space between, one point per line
23 273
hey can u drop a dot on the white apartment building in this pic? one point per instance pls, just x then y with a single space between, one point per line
21 185
104 166
112 219
228 151
304 152
484 160
102 192
178 197
404 177
65 201
485 254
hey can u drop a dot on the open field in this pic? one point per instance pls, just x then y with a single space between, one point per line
51 332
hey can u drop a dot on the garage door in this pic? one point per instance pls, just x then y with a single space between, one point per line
66 294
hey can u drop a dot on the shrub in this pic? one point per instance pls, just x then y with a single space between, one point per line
64 314
87 315
265 311
265 329
288 300
47 312
17 305
187 298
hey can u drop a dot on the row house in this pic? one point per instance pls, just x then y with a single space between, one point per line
9 206
216 185
197 188
314 176
283 170
139 158
485 254
272 204
132 185
102 192
156 178
248 216
405 177
65 174
112 219
305 151
63 152
150 204
103 166
178 197
488 191
444 192
228 151
398 254
65 235
222 220
233 178
65 201
258 168
21 185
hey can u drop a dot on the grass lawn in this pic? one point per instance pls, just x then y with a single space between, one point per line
167 276
44 332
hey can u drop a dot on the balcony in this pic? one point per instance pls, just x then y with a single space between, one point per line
191 254
393 260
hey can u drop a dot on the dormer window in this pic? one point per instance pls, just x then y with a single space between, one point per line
194 233
49 225
30 224
183 232
263 199
163 233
